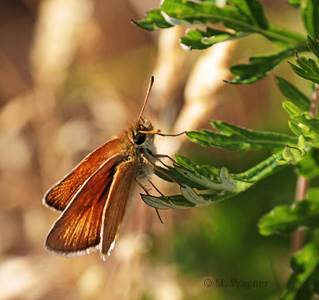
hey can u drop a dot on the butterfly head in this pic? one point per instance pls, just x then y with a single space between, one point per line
143 133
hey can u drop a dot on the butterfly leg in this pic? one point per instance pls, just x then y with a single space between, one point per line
142 186
157 168
158 156
157 190
146 191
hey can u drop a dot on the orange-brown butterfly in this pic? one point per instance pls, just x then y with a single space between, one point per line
94 195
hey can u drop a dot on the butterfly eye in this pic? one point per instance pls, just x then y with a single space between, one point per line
139 138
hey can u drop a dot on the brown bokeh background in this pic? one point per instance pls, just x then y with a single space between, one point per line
72 75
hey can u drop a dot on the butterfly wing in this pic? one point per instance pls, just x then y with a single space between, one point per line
78 229
60 195
120 192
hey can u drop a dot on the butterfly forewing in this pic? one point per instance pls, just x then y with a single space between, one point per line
78 229
60 195
120 192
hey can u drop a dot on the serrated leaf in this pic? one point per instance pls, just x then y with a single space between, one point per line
180 202
225 181
154 20
192 196
310 13
293 94
193 39
252 175
309 128
179 177
197 39
174 202
307 69
259 67
287 219
206 170
202 177
253 10
243 17
305 264
217 184
306 120
313 46
233 137
246 17
196 13
304 125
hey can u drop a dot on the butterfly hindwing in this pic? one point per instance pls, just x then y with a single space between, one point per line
120 192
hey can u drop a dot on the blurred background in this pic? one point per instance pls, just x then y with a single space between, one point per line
73 74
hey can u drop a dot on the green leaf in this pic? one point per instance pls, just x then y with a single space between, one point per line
252 175
233 137
293 94
253 11
295 128
304 281
197 39
245 16
202 177
307 121
259 67
223 182
310 13
179 12
309 130
308 167
217 184
193 39
154 20
206 170
242 17
291 108
307 69
304 125
175 202
287 219
313 46
189 199
179 177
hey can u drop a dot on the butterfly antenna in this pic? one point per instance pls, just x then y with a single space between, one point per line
158 215
147 94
